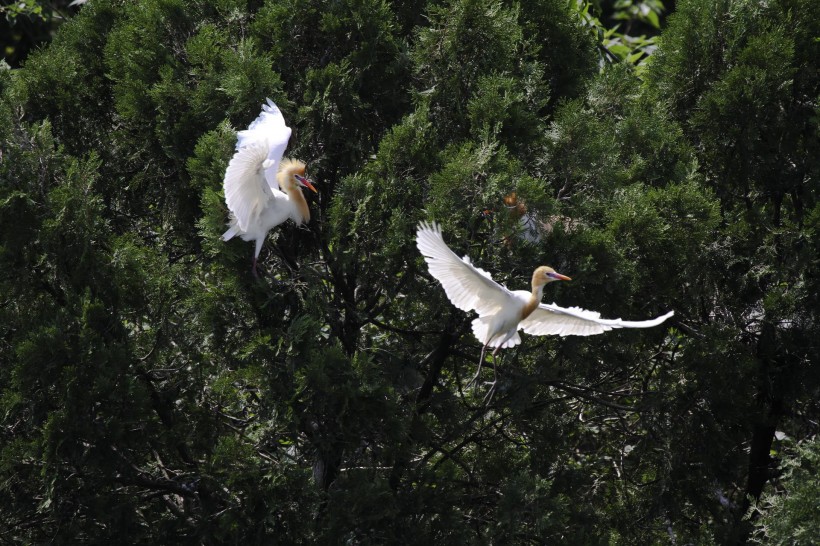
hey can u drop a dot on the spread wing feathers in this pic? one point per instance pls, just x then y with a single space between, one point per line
246 192
269 128
574 321
467 287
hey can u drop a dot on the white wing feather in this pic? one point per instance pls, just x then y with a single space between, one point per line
246 192
573 321
467 287
270 130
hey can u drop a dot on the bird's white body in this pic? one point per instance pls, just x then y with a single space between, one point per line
500 329
256 177
280 209
502 312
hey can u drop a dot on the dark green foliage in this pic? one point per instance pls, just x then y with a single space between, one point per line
746 95
28 24
346 65
153 391
791 517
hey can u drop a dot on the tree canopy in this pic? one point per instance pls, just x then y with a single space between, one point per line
153 391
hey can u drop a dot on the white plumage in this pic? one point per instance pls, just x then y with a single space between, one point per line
502 312
254 177
550 319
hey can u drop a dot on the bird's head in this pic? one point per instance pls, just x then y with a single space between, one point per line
291 175
515 204
545 274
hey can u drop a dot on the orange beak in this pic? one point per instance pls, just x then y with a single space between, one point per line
305 182
558 276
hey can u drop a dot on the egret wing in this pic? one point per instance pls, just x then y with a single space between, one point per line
550 319
467 287
268 129
246 192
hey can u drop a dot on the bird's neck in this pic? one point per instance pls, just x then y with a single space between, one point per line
299 202
534 301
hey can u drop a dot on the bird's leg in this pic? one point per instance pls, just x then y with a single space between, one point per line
480 362
489 396
256 250
495 366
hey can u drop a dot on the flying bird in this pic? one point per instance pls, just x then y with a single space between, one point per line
262 190
502 312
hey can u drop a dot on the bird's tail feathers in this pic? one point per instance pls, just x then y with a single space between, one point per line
232 231
481 330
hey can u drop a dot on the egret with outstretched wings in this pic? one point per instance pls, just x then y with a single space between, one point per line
262 190
502 312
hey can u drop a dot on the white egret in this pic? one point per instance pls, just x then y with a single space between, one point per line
254 177
502 312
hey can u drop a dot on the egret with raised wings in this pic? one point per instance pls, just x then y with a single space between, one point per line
502 312
254 177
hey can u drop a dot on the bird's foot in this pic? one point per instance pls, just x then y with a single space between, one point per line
490 393
474 381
